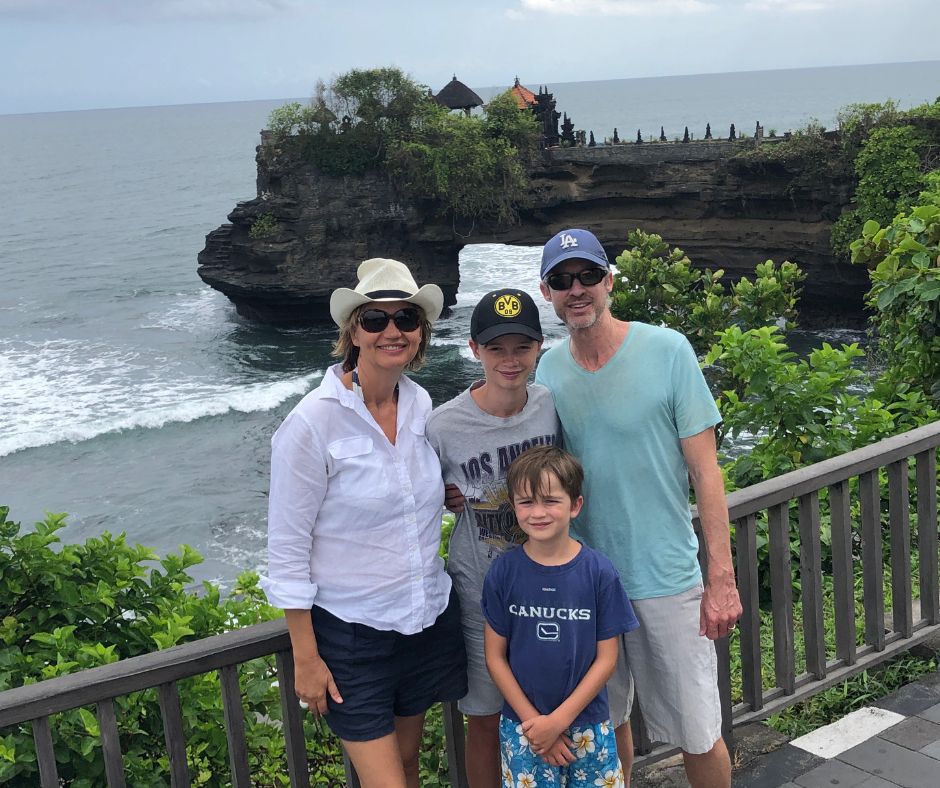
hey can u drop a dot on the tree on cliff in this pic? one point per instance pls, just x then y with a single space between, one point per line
472 167
379 119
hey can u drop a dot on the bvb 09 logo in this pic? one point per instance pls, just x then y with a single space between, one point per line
508 306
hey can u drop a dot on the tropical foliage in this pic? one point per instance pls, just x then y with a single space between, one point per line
379 119
904 260
67 607
658 284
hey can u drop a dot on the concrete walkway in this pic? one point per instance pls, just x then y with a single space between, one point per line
894 742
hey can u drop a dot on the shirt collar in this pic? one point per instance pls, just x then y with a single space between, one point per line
331 387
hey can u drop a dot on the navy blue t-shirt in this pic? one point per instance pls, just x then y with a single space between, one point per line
552 618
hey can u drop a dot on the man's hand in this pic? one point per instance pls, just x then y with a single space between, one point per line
454 499
312 682
542 732
721 607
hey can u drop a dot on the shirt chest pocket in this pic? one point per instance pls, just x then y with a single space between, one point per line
357 470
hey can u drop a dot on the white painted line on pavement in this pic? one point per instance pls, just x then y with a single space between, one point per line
837 737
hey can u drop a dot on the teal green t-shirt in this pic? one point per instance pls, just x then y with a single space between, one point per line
624 422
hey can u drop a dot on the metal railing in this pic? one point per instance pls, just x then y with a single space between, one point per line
853 478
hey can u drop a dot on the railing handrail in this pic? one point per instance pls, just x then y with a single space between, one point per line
143 672
821 474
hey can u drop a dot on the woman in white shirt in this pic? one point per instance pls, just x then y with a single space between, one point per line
354 525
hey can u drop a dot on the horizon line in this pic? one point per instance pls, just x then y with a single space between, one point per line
487 87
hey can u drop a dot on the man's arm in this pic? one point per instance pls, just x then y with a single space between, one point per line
721 604
454 499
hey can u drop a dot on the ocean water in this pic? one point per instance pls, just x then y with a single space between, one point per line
135 399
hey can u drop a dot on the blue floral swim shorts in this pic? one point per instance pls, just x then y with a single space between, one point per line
597 763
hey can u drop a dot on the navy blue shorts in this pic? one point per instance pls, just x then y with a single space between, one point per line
382 674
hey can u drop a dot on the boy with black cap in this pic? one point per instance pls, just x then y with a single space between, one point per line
477 435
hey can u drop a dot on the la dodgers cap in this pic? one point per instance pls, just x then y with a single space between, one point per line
505 311
572 244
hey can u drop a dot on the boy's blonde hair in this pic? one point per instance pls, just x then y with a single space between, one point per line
527 472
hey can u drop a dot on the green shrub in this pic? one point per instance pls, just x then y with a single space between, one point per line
890 152
805 158
290 119
380 120
67 607
264 226
656 283
465 164
904 262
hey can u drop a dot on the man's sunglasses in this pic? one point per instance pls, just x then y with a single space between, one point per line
375 320
587 277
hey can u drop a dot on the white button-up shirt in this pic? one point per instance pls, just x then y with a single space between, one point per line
354 522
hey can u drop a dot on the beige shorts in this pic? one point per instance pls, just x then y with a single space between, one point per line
674 671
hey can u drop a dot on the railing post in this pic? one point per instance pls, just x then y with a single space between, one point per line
45 755
169 698
723 653
843 576
234 726
456 742
811 585
110 744
746 549
927 535
781 590
899 518
869 493
294 741
641 737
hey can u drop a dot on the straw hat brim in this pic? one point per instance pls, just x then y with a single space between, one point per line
344 300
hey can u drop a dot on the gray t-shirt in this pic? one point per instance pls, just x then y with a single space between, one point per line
476 450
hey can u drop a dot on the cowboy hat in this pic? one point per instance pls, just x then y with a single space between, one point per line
385 280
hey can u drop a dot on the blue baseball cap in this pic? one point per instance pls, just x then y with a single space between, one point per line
572 245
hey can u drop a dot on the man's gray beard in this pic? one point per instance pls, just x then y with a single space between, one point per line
597 315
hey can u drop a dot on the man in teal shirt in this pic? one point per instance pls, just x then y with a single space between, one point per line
637 412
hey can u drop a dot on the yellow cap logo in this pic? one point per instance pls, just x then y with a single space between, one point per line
508 306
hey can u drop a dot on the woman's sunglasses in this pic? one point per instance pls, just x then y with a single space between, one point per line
587 277
375 320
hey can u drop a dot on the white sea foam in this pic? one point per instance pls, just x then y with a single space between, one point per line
67 390
190 310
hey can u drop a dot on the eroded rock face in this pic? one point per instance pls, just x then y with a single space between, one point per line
722 214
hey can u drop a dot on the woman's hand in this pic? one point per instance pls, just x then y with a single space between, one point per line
312 682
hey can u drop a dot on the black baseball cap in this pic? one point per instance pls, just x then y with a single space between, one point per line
506 311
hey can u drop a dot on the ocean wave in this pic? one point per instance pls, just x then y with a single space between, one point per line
65 390
242 399
189 311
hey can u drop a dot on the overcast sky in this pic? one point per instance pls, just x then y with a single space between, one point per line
78 54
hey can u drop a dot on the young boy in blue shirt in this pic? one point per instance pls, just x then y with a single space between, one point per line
554 609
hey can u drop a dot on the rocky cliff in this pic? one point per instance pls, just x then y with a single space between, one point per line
699 196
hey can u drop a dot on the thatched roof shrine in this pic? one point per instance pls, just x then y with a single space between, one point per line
456 95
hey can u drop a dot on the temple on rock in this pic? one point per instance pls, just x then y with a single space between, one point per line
542 105
456 95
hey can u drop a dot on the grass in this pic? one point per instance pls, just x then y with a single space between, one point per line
851 694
